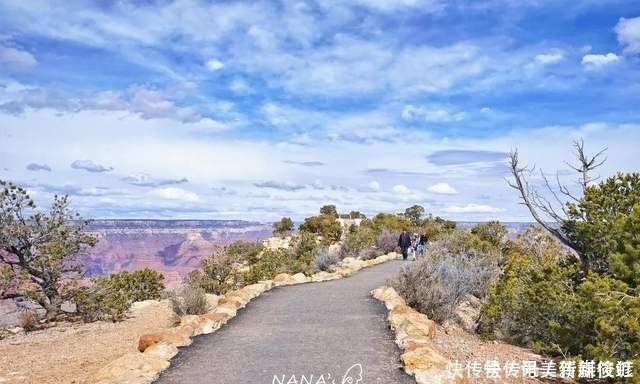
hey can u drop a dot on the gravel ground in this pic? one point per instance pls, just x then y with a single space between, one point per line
303 330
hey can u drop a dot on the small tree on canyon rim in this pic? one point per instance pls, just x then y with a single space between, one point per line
39 249
597 222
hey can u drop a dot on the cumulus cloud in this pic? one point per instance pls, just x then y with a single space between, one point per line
144 180
472 208
240 86
431 115
174 193
465 156
284 186
628 31
214 65
549 58
593 61
442 189
401 189
90 166
374 186
15 59
38 167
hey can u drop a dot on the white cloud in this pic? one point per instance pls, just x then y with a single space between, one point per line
597 61
214 65
173 193
240 86
472 208
431 115
628 31
485 110
16 59
374 186
401 189
549 58
442 189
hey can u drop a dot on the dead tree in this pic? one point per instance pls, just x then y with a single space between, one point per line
554 216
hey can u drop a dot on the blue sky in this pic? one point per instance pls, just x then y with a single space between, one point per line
259 109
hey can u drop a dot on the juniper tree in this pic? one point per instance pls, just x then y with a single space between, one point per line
39 249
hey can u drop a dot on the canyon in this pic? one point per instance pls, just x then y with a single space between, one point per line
172 247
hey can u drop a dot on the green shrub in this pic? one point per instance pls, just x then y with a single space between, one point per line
270 264
391 222
217 274
492 232
356 240
243 252
323 225
283 227
303 243
532 302
98 303
143 284
109 297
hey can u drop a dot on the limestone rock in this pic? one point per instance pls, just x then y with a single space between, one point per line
467 313
212 300
227 308
283 279
162 351
324 276
179 336
389 296
131 368
68 307
300 278
425 357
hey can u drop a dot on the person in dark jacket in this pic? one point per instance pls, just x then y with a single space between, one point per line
404 242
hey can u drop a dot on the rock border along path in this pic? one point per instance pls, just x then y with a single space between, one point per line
414 334
157 349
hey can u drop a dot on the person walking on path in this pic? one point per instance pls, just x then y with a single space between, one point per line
404 242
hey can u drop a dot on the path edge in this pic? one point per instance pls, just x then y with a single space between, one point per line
414 333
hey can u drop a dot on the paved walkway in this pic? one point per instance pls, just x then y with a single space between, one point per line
301 330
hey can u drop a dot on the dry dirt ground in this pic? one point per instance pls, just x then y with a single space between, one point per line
67 353
459 345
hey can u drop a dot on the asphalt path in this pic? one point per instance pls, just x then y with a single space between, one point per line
309 333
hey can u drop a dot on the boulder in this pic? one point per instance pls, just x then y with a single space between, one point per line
68 307
131 368
467 313
437 376
324 276
212 300
179 336
228 309
389 296
300 278
232 300
425 357
283 279
9 314
162 351
219 318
